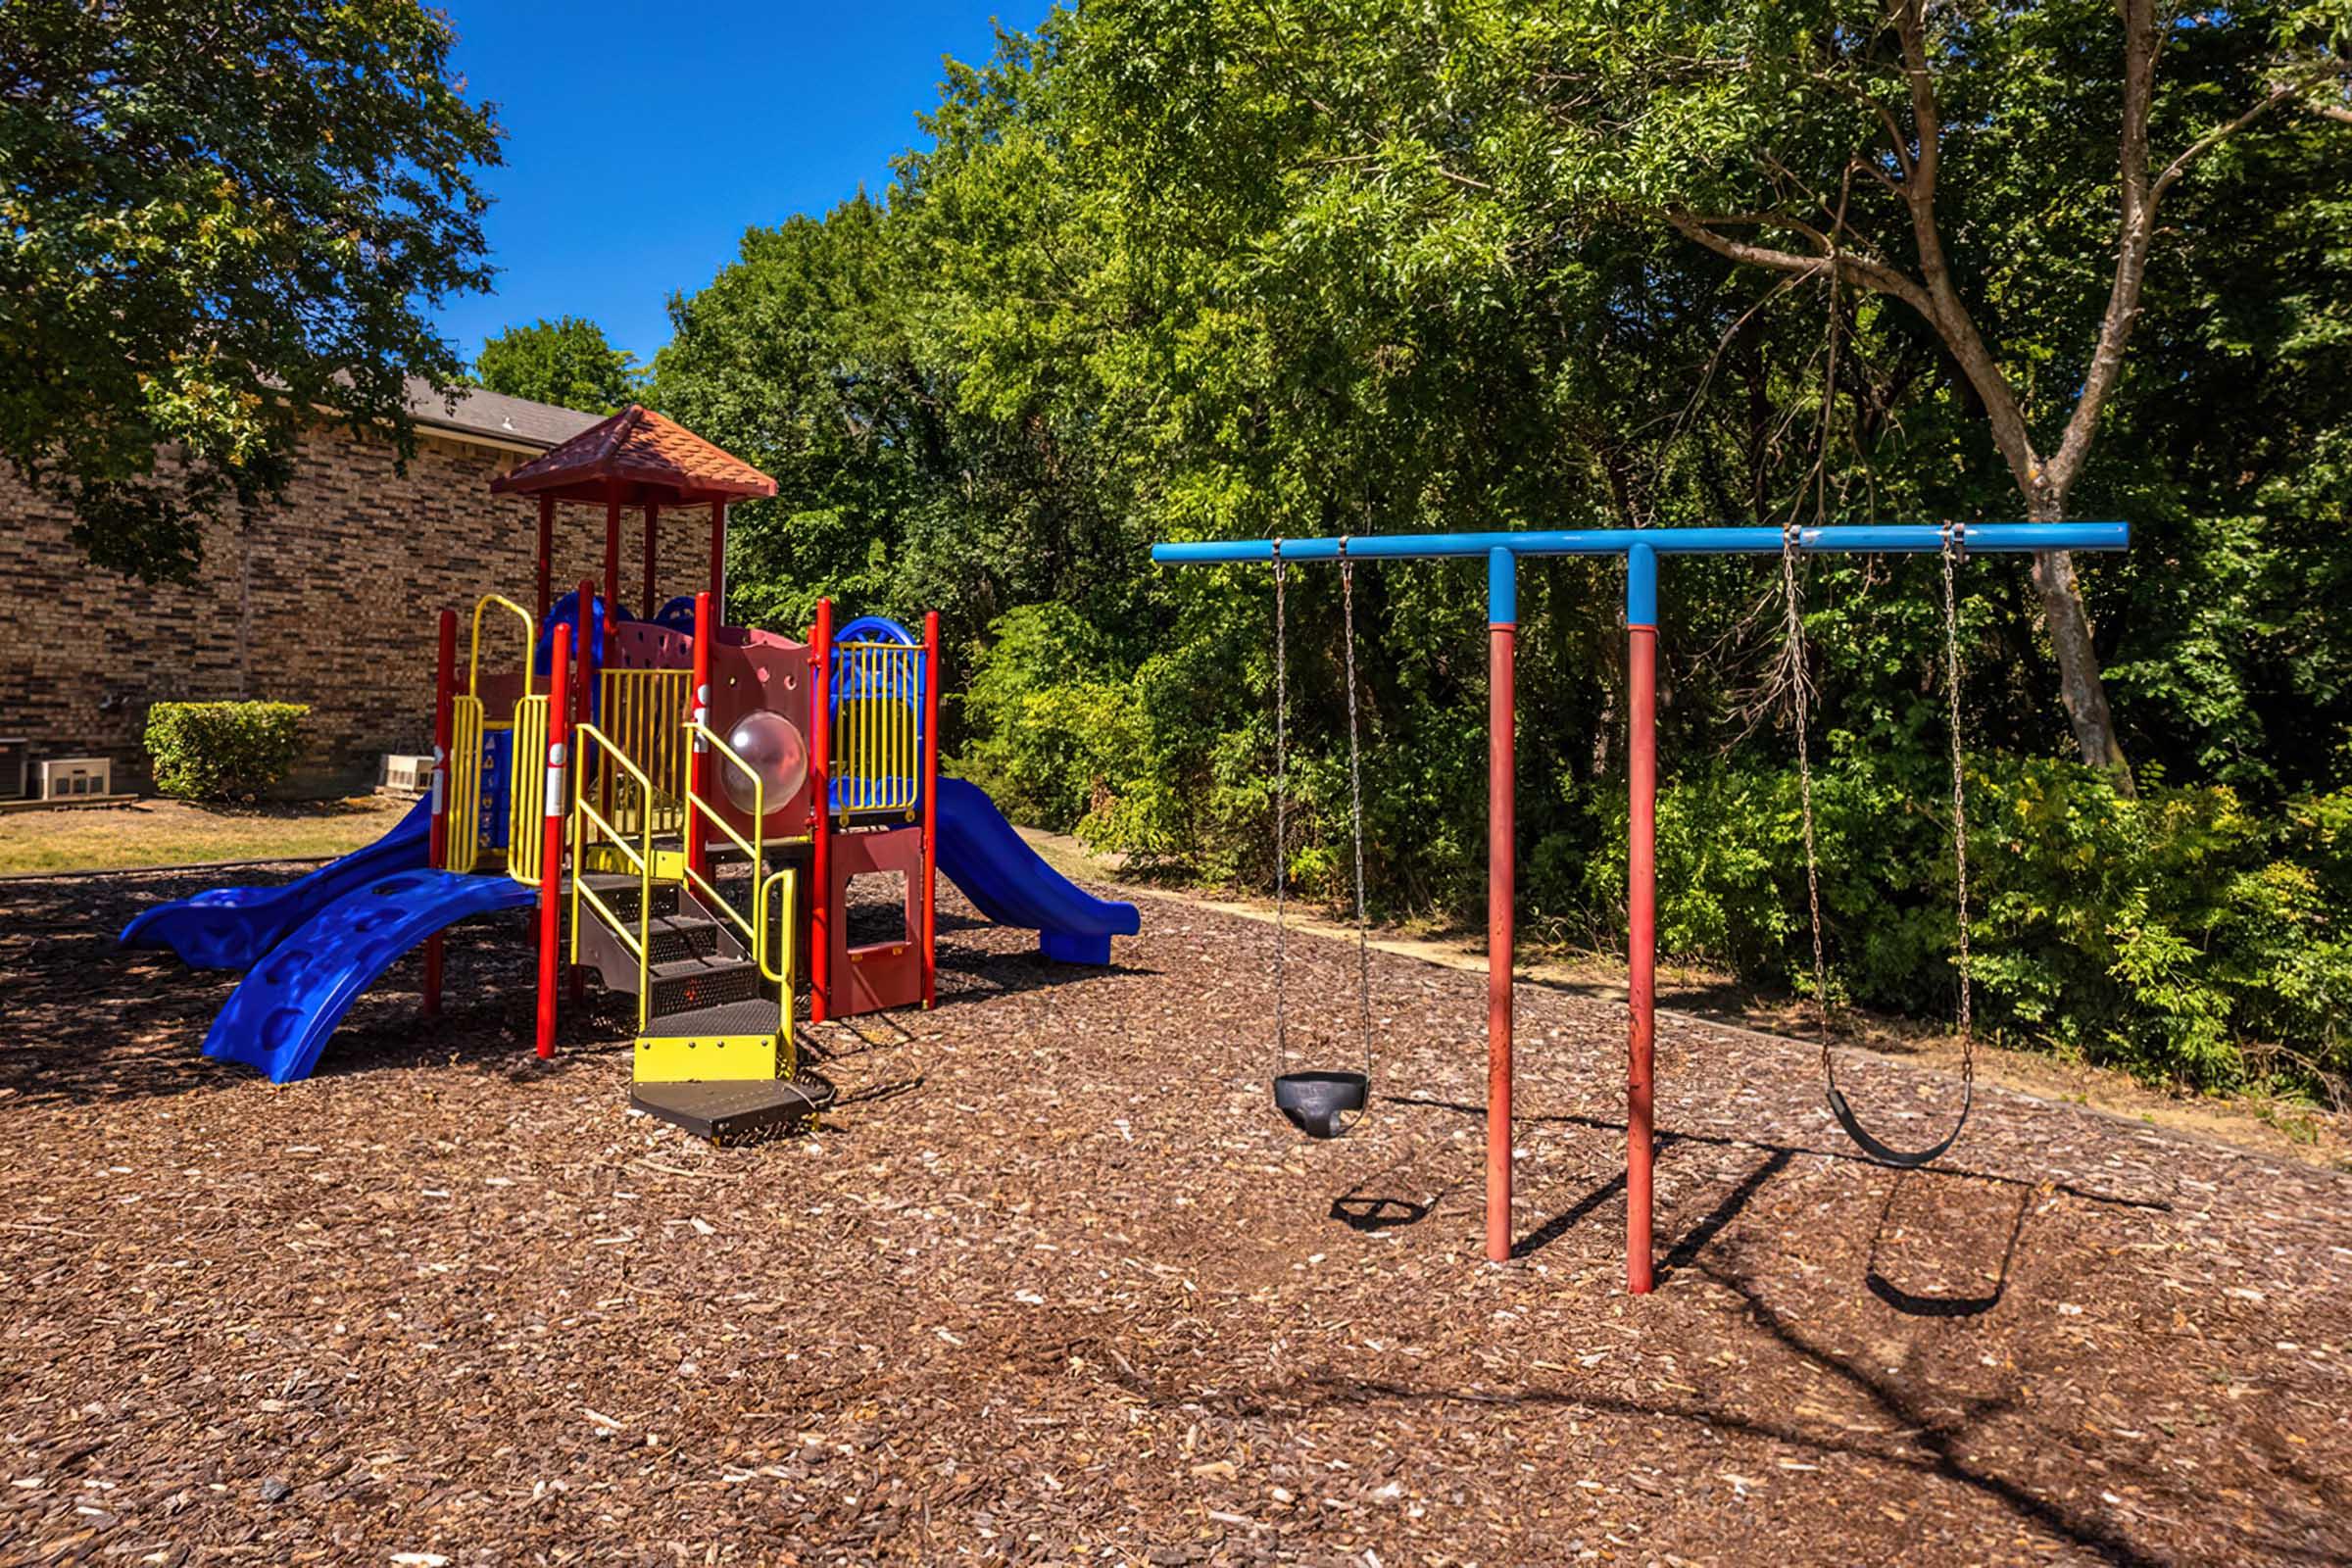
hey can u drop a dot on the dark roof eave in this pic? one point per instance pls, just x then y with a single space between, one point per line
628 491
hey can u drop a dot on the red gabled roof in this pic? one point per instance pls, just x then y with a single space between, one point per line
637 456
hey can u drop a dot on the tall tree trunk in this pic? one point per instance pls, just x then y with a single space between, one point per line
2079 686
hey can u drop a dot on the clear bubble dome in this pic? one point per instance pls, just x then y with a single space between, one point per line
773 746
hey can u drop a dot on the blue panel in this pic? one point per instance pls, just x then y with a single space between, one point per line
1007 882
497 788
279 1019
1064 947
231 928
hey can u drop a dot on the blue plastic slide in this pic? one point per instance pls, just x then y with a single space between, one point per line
280 1017
1007 882
230 928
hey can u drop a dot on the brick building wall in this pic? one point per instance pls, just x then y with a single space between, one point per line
330 599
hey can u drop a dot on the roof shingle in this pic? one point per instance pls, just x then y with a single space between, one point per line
635 457
480 412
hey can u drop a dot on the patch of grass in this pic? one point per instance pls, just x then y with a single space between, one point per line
153 833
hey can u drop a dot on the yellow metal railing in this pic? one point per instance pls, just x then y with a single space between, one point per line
526 791
644 711
530 642
779 941
754 921
638 857
742 921
877 742
468 725
464 848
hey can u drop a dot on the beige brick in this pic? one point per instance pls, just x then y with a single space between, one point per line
330 599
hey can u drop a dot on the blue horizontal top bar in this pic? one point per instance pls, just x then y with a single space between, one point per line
1987 538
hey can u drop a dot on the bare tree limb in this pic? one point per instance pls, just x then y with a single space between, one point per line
1830 261
2136 224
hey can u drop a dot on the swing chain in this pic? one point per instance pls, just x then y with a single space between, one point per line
1355 808
1282 786
1797 683
1955 551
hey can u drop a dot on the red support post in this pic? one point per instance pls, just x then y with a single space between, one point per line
930 805
583 708
646 603
445 695
550 842
547 556
612 559
1503 633
820 811
699 705
718 559
1641 789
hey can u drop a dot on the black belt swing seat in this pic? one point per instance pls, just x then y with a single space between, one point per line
1320 1103
1955 551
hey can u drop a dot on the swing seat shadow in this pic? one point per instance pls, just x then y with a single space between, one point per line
1368 1213
1916 1304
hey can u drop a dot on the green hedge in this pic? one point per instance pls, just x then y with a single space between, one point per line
2179 935
222 751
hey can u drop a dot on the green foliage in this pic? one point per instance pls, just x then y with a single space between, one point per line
222 751
2180 934
1173 270
214 218
565 361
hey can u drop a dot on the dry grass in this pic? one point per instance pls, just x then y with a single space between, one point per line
157 833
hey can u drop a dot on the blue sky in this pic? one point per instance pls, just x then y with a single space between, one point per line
642 139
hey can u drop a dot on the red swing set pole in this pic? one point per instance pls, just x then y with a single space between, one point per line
1642 904
1502 636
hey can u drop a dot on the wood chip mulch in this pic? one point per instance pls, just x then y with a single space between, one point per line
1054 1284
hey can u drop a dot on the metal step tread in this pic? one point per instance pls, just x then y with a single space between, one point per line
726 1110
683 923
756 1015
701 964
622 882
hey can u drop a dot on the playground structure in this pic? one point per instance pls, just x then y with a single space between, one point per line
1642 551
687 805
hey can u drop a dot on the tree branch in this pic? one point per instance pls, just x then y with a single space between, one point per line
2135 229
1832 261
2281 93
1895 131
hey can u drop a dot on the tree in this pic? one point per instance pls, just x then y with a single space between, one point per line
565 361
216 220
1921 152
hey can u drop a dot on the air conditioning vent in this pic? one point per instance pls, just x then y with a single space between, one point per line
67 778
407 775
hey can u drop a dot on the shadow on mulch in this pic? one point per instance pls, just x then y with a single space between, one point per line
1067 1280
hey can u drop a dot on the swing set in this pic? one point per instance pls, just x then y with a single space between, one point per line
1325 1104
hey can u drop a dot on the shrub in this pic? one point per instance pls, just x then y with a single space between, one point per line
2179 935
222 751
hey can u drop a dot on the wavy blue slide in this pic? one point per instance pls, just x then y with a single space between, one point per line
231 928
280 1016
1008 881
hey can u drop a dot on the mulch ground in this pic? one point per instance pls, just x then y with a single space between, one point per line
1054 1283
